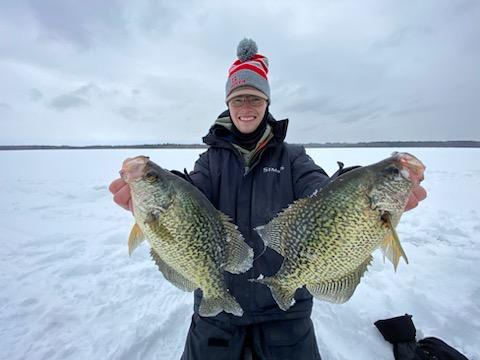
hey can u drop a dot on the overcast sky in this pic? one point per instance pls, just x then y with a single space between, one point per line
129 72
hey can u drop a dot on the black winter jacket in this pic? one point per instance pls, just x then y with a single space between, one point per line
280 174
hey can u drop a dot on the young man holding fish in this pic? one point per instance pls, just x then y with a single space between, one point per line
250 174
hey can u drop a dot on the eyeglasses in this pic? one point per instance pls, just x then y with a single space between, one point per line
239 101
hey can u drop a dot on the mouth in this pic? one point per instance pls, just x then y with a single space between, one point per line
247 118
133 168
411 166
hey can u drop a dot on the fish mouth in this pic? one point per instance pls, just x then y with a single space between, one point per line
411 167
134 168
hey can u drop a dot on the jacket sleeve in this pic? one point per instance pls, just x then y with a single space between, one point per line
201 175
307 176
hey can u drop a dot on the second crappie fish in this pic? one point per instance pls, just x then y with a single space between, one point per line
327 239
191 242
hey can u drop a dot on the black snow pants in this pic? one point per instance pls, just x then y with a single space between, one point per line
210 339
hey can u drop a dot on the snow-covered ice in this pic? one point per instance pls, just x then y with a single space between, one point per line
68 289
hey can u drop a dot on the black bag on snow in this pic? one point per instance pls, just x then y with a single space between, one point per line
400 331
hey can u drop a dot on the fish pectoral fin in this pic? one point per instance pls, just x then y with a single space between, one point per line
172 275
341 290
391 247
212 306
135 238
238 255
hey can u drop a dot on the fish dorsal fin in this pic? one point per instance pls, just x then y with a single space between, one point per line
339 291
135 238
391 247
172 275
238 256
273 233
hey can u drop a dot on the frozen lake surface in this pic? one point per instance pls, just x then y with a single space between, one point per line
69 290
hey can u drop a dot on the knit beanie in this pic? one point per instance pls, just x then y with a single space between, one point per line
248 73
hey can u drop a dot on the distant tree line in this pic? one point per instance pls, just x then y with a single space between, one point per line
372 144
454 143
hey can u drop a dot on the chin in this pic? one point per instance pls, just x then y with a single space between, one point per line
246 129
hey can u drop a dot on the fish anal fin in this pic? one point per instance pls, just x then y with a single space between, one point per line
172 275
239 255
135 238
341 290
390 246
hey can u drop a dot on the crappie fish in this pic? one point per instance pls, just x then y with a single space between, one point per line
191 242
327 239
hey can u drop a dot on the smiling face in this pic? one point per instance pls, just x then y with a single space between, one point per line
247 112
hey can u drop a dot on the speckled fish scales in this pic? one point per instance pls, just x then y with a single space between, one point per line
327 239
191 242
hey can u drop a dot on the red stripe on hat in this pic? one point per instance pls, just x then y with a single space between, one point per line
265 67
260 59
254 57
256 63
246 66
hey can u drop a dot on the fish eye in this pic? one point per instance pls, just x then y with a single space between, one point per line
392 170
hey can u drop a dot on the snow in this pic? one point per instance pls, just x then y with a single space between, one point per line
69 290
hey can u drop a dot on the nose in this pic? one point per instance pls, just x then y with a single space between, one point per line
246 105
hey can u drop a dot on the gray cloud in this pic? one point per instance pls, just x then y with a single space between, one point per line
81 23
67 101
94 92
362 113
464 7
327 107
322 105
394 39
401 36
35 95
155 70
158 17
4 106
130 113
410 110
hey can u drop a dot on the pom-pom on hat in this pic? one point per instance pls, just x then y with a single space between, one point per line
248 74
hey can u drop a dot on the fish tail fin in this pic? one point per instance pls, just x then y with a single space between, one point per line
212 306
239 256
283 296
273 233
271 237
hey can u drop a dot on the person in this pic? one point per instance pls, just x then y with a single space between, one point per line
250 173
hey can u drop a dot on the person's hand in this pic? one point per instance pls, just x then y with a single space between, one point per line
417 195
121 194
